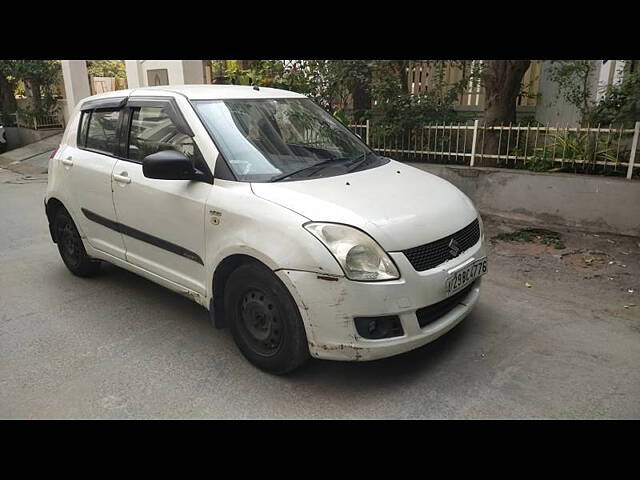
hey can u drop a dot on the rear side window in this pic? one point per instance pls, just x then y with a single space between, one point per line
152 130
102 131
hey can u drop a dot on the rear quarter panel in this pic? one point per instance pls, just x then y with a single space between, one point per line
57 185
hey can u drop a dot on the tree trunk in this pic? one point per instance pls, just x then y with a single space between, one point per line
7 97
361 98
35 94
502 80
401 69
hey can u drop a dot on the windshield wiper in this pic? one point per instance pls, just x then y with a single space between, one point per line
359 161
277 178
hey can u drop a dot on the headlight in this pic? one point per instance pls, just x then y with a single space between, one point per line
358 254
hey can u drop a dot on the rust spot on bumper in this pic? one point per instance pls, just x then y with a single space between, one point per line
354 352
326 277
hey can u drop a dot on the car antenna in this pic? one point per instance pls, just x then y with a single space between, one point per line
255 87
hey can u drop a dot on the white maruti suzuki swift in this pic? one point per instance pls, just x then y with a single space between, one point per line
263 208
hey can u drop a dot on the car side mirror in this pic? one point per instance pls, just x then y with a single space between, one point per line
169 165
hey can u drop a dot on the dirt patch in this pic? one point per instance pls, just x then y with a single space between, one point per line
587 261
528 242
604 268
538 236
517 249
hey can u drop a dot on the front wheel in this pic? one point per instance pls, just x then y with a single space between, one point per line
264 320
71 247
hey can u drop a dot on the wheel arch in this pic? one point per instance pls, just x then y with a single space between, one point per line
221 274
52 206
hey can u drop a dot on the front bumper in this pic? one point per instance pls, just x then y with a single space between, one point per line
328 307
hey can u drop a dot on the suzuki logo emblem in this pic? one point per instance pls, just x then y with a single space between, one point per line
454 249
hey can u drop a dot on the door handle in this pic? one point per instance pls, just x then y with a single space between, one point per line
122 177
67 161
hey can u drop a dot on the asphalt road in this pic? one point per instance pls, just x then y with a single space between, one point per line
119 346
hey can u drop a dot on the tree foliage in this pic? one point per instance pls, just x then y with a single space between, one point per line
107 68
397 110
575 80
577 84
39 78
620 102
352 90
8 83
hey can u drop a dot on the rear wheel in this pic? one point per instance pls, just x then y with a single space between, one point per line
265 320
71 247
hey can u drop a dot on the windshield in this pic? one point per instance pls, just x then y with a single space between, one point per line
282 139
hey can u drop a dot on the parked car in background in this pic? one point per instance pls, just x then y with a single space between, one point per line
3 139
263 208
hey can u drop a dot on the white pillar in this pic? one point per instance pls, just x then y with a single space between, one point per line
76 82
179 72
610 74
134 74
619 72
193 72
603 78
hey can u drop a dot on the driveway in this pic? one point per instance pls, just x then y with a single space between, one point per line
556 334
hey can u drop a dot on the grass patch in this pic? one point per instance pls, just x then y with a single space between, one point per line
537 235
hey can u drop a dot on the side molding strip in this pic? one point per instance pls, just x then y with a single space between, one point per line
143 237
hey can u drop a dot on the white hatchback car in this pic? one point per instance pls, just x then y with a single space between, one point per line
263 208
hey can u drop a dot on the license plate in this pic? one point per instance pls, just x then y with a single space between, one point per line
466 275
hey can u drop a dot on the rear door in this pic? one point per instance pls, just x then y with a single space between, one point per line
89 166
162 220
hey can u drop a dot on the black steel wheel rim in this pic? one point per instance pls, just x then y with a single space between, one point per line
69 242
260 322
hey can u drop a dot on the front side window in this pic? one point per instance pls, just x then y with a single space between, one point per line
102 134
275 139
152 130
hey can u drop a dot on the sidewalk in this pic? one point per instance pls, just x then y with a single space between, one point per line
31 159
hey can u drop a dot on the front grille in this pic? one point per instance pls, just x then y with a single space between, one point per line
439 251
431 313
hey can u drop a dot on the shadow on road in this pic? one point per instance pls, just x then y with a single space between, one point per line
164 298
378 374
345 375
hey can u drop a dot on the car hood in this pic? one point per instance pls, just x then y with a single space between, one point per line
398 205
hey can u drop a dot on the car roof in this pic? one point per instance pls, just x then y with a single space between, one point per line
202 92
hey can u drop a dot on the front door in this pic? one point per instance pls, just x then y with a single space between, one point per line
162 221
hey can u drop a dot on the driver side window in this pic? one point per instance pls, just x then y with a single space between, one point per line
152 130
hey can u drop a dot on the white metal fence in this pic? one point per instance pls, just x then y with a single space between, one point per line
606 150
34 122
40 122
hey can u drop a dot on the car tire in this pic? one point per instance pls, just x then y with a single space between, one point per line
264 320
71 247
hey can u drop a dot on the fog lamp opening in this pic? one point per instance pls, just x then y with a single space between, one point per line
379 327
